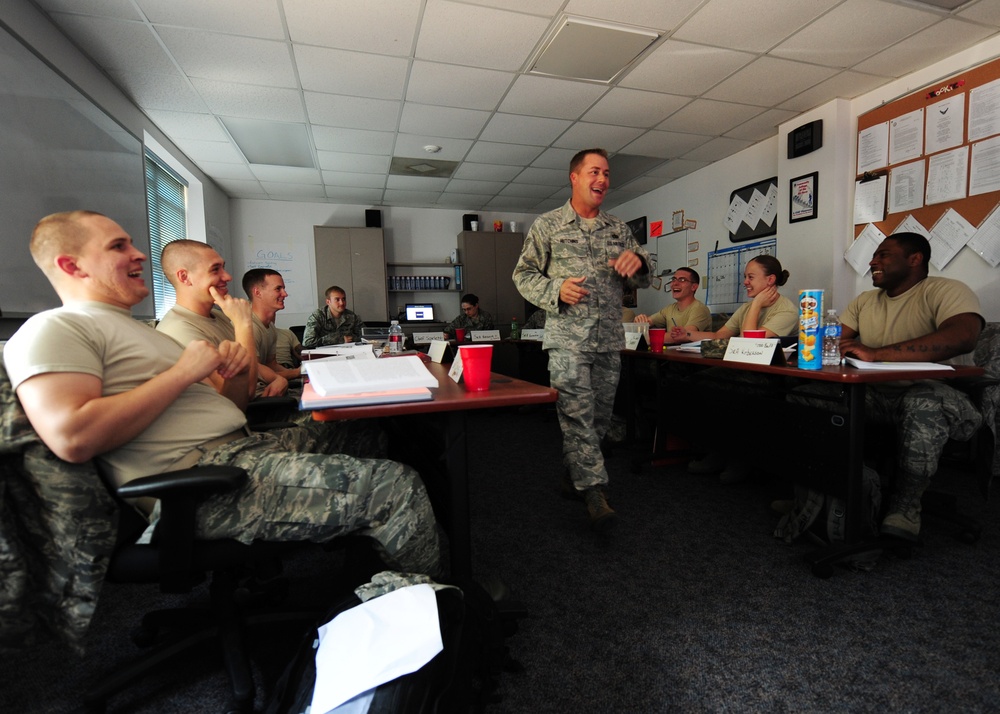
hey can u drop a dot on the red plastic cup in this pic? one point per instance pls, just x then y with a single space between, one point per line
476 361
760 334
656 337
460 334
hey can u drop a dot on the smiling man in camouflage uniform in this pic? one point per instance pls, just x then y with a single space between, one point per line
98 384
576 262
332 324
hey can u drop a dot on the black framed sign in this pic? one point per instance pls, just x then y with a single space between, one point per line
802 203
638 228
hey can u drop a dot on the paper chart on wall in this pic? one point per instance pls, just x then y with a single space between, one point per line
948 236
947 175
869 200
873 148
906 187
985 242
863 248
984 172
737 214
912 225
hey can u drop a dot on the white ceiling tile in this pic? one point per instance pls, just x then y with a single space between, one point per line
751 25
664 144
226 58
442 121
850 32
160 91
761 126
241 189
643 13
355 163
354 141
454 86
293 191
256 18
845 85
543 177
923 48
490 38
241 100
555 158
344 178
639 186
675 168
634 107
527 190
343 194
188 125
487 152
511 203
412 145
583 134
120 9
240 172
550 97
135 49
416 183
717 149
705 116
352 112
475 188
386 27
410 198
517 129
288 174
222 152
459 200
486 172
684 68
755 83
354 73
987 11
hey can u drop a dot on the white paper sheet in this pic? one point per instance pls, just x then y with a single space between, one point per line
945 124
869 200
912 225
947 176
985 242
984 172
873 148
373 643
906 187
862 249
948 236
906 137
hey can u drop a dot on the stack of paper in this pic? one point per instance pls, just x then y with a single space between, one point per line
923 366
334 383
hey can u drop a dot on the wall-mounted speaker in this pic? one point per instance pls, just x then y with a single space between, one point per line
373 218
467 220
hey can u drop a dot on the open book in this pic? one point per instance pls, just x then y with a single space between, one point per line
898 366
336 377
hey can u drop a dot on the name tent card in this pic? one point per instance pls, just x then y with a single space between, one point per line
534 333
753 350
456 367
486 335
438 350
633 340
423 338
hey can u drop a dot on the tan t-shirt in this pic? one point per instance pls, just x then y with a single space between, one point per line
881 320
106 342
782 318
186 326
697 314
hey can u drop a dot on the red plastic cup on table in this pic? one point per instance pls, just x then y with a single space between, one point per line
460 334
656 337
476 360
759 334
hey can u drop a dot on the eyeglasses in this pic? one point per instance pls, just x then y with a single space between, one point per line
680 280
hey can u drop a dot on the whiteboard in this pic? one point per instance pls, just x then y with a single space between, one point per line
671 251
60 152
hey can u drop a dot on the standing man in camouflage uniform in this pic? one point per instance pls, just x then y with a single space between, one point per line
911 317
333 324
575 264
98 384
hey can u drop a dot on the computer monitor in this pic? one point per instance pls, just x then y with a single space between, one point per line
420 313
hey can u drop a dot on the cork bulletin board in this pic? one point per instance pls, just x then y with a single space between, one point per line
925 108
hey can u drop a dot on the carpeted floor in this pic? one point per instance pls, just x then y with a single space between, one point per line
690 605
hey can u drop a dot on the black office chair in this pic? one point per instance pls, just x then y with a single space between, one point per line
60 526
299 331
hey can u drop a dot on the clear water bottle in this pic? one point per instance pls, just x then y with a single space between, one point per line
515 329
395 338
831 339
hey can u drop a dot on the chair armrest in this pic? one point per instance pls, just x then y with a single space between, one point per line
197 481
180 493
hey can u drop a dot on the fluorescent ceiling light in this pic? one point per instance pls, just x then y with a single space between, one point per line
271 142
585 49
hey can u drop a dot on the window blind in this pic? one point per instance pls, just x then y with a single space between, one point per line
166 201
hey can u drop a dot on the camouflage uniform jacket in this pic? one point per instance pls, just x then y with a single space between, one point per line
57 530
557 247
322 328
482 321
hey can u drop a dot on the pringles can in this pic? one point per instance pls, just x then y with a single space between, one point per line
810 352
